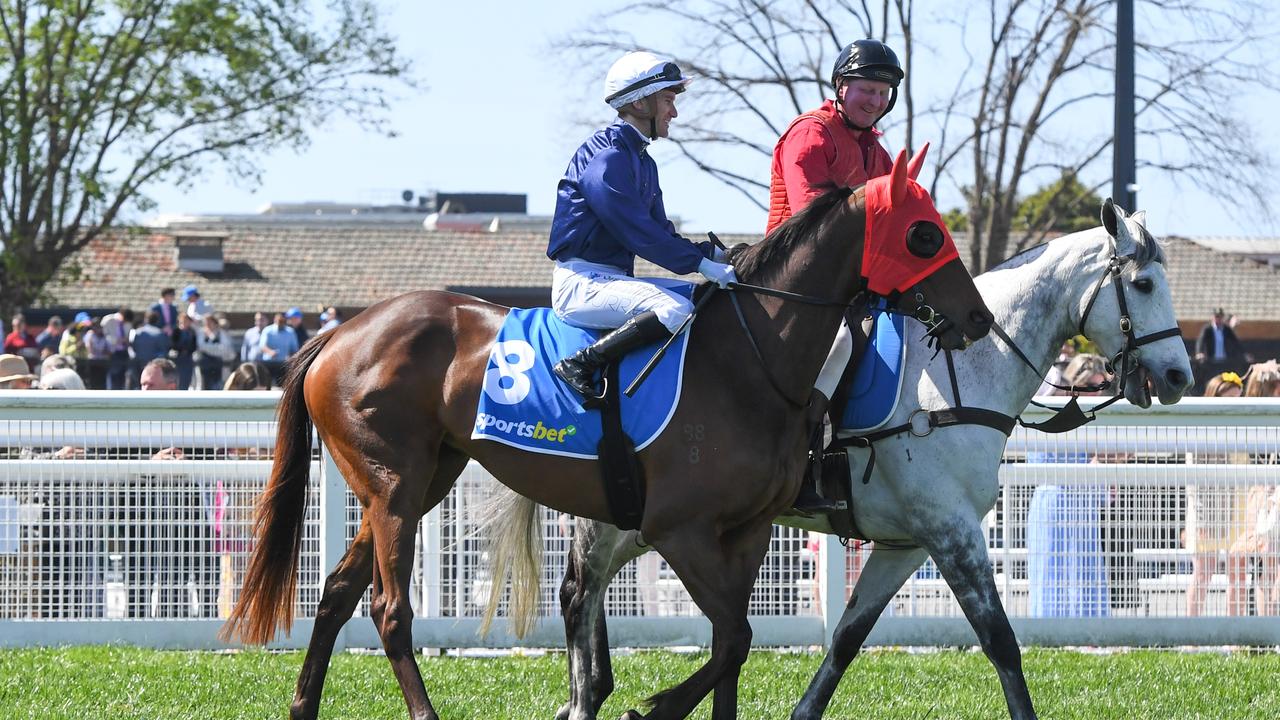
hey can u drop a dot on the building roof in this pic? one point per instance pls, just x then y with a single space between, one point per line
270 267
1266 249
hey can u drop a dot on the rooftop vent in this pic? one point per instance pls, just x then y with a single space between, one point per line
199 251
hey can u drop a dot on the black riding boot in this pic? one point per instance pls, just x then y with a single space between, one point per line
579 369
809 501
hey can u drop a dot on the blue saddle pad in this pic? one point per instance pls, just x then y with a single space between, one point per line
523 404
877 382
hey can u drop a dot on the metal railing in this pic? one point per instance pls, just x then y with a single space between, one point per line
1110 535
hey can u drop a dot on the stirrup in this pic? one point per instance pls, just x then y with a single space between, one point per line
815 504
592 402
809 501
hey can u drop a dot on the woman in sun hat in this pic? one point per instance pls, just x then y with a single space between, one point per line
14 373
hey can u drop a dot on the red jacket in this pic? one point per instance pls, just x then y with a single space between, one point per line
819 152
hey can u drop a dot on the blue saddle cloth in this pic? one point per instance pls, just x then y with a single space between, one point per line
877 382
523 404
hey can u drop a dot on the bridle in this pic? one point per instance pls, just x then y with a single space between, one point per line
1122 365
1125 362
922 422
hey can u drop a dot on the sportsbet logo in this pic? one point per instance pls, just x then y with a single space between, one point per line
537 431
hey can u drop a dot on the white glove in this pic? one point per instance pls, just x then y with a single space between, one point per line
719 255
717 272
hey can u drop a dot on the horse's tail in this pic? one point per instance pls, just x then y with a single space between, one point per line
266 600
513 525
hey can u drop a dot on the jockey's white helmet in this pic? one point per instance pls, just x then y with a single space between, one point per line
638 75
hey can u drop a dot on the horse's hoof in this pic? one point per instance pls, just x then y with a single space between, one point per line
631 715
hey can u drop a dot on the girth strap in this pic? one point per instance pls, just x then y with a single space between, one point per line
933 419
620 469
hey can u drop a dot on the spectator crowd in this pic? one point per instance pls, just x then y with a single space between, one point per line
110 352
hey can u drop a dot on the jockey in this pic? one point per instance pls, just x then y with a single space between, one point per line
835 146
609 210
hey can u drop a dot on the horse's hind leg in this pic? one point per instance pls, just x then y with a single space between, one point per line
394 514
448 468
598 552
393 533
342 592
345 586
962 558
883 574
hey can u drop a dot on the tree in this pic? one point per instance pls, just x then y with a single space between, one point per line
1012 92
1063 206
102 99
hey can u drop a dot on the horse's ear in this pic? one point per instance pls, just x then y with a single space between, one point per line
1109 217
917 162
1139 217
898 178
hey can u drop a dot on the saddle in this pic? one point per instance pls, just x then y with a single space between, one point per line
523 404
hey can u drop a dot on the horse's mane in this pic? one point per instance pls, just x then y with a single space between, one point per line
779 244
1146 250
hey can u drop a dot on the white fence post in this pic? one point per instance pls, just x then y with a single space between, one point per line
333 524
431 575
831 584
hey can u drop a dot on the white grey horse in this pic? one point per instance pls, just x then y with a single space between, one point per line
927 495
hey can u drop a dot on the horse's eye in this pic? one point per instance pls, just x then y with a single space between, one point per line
924 239
1143 285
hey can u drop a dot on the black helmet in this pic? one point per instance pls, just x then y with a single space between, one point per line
871 60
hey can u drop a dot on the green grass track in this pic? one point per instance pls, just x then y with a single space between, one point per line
117 682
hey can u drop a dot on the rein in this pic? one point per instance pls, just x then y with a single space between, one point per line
859 299
931 318
795 297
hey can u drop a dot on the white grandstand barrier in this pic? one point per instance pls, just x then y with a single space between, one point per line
113 546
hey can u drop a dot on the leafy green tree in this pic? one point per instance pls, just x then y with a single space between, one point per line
956 220
102 98
1064 205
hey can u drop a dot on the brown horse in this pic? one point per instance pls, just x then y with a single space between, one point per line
393 395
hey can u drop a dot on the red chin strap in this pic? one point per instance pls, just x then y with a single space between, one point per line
895 202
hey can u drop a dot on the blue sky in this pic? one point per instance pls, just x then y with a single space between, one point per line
497 114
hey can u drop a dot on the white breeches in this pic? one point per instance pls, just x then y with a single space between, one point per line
837 358
592 295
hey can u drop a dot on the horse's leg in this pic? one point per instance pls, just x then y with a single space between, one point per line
883 574
403 482
598 552
393 534
342 591
719 572
344 588
961 555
